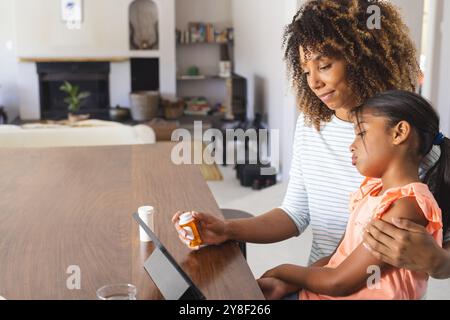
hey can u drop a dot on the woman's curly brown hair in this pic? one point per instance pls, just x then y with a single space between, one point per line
377 59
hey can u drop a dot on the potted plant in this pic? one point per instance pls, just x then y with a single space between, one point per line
74 100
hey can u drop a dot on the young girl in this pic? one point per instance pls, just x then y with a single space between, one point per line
394 131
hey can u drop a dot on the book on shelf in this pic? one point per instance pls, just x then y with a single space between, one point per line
209 32
199 32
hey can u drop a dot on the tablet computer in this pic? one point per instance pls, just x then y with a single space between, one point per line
166 273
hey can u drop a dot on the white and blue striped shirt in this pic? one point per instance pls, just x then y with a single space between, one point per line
322 178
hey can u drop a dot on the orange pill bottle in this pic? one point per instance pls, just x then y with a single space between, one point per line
188 223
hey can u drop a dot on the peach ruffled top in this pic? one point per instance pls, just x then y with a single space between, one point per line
366 204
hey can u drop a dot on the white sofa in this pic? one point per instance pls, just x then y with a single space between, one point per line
87 133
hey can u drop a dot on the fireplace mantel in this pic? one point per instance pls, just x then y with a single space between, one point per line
73 59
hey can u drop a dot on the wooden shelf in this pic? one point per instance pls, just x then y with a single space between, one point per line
200 43
125 57
204 77
144 54
73 59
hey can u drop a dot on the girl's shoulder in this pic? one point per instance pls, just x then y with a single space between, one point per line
421 194
417 190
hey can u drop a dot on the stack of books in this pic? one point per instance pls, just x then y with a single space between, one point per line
199 32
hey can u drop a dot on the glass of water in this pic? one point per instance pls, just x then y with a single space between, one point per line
120 291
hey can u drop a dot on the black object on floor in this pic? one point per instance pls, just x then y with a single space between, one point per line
250 175
3 116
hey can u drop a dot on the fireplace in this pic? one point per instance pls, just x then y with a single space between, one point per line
89 76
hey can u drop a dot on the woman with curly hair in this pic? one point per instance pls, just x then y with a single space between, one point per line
336 62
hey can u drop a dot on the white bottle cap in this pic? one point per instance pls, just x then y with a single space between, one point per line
146 210
185 218
146 214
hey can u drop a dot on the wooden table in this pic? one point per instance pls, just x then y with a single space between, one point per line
61 207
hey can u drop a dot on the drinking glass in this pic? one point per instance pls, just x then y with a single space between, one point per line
119 291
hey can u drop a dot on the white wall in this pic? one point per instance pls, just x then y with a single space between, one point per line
104 32
259 27
8 67
437 51
28 90
442 77
412 14
437 74
39 32
217 12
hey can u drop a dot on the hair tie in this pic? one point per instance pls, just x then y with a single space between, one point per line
438 139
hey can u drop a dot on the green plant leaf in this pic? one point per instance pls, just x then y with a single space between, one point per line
69 86
75 91
68 100
64 88
83 95
75 97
